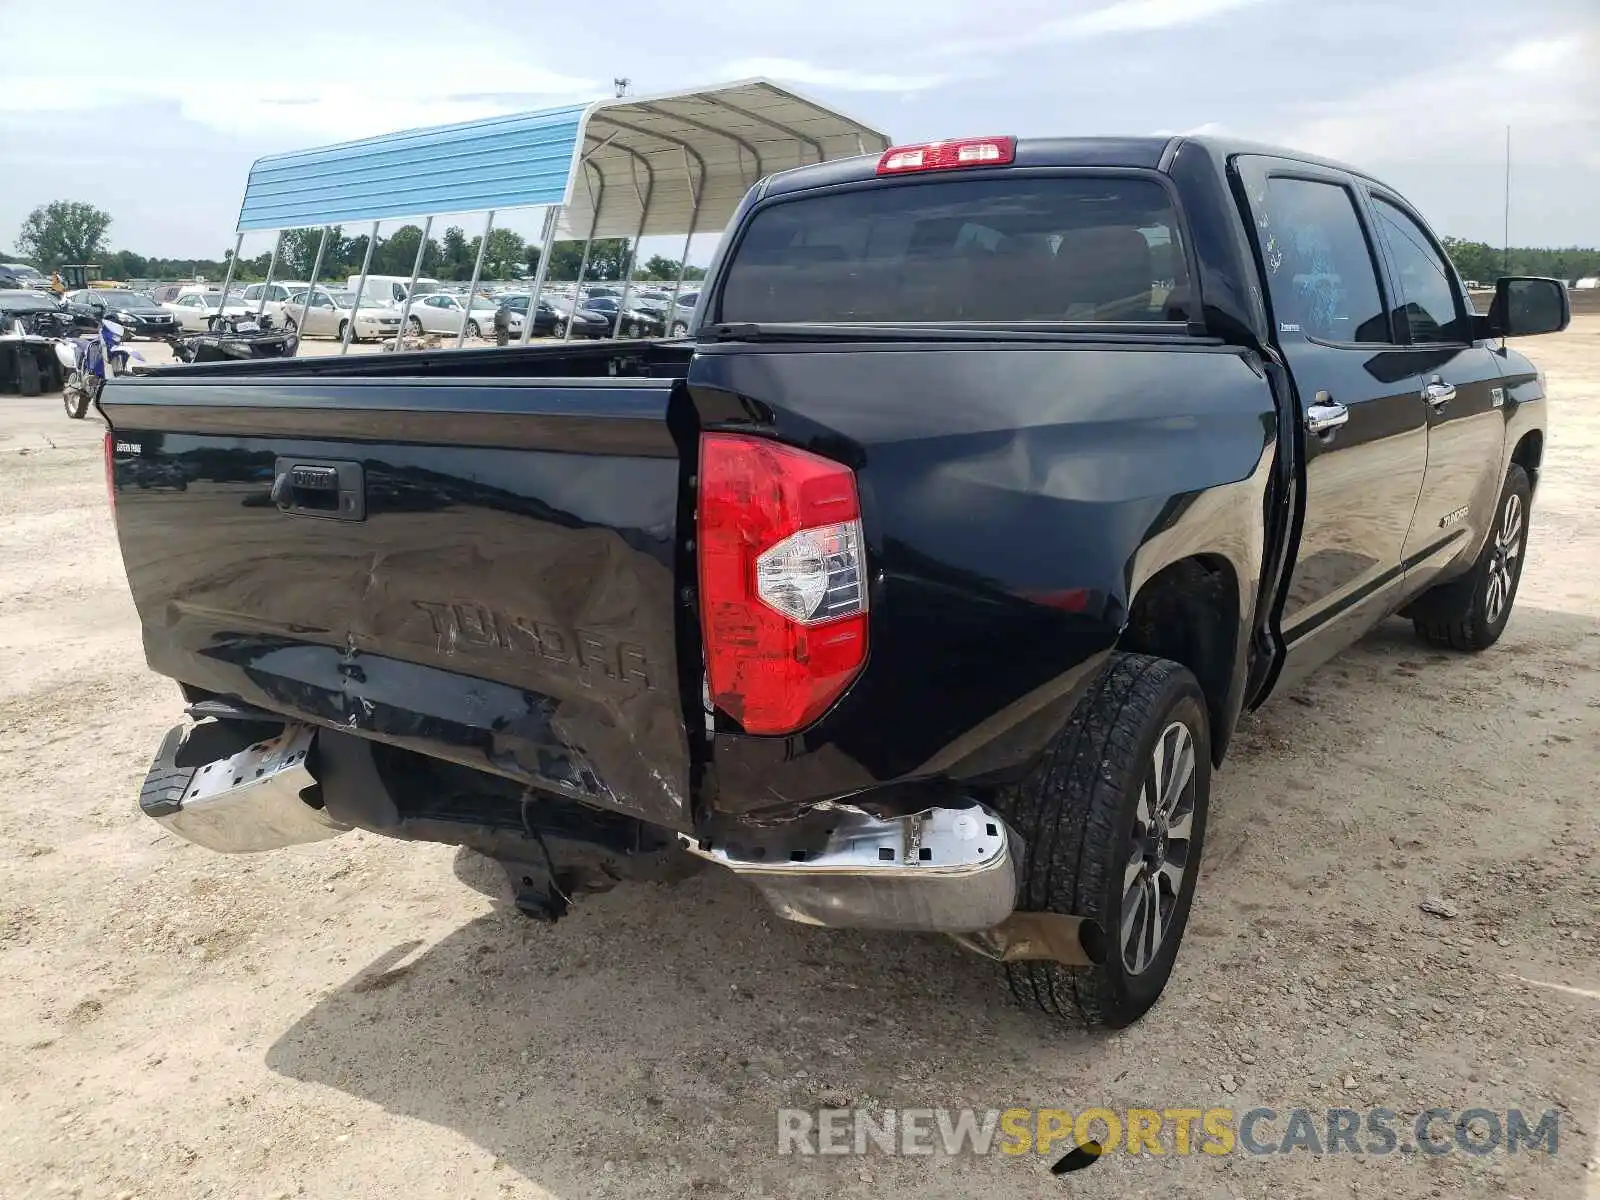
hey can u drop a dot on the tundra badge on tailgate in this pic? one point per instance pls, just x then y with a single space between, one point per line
474 627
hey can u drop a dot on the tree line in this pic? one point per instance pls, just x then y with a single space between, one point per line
1483 263
69 231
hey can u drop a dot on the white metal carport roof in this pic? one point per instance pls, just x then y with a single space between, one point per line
675 163
682 161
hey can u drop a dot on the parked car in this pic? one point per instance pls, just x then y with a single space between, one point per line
444 313
194 309
22 276
553 315
330 311
683 313
633 322
923 590
269 299
138 314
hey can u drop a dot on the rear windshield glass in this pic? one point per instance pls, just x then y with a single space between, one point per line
1046 250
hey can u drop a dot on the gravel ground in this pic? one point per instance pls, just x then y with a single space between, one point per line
348 1020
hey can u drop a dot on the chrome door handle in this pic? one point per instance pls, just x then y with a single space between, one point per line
1438 392
1326 417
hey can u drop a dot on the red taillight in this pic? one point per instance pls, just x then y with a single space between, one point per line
783 588
945 156
111 470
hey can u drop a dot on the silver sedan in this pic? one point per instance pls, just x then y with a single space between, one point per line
330 311
440 313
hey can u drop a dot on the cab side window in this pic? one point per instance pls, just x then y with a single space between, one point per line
1320 272
1430 303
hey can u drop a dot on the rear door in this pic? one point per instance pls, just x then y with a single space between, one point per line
1364 422
1461 385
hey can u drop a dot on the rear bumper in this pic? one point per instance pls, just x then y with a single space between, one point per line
258 797
942 870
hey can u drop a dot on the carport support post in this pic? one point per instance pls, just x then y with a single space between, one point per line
472 288
539 274
272 269
227 278
577 290
416 269
632 253
694 219
311 286
355 305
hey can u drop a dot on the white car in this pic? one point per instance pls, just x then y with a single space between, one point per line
275 294
440 313
330 311
194 311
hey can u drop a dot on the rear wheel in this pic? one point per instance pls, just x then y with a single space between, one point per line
289 325
679 329
1470 613
1113 821
474 330
343 327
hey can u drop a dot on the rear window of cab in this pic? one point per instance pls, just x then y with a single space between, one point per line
1041 250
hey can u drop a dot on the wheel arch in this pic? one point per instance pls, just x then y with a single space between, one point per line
1529 454
1188 612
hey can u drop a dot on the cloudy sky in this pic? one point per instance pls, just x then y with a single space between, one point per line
158 119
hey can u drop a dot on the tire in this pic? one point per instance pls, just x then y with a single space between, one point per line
289 325
344 325
1470 613
30 379
474 330
679 329
1081 814
414 324
73 396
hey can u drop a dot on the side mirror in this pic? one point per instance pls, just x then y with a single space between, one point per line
1526 305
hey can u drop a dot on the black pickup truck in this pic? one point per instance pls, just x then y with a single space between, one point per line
923 586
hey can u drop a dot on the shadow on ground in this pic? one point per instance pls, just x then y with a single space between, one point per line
658 1028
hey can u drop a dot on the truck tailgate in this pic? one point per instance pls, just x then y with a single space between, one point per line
482 570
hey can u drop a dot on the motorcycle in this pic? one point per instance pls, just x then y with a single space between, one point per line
86 363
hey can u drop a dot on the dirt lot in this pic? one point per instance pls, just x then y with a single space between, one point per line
347 1020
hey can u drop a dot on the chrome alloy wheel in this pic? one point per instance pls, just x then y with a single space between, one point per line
1503 562
1163 824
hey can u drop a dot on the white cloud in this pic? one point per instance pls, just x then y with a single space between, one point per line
809 75
1541 55
1139 16
324 91
1457 112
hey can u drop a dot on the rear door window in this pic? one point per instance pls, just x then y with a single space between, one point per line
1008 251
1320 270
